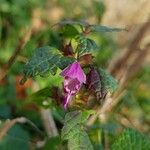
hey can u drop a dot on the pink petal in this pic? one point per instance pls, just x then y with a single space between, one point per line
66 101
74 71
71 85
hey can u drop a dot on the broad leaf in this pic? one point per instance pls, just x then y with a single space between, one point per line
107 81
80 140
16 139
45 60
69 31
85 45
131 139
73 130
100 28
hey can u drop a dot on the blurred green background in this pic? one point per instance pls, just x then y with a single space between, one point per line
17 18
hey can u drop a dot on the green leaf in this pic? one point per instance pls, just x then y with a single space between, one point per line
5 111
131 139
40 96
85 45
69 31
108 82
52 143
101 29
73 130
80 140
45 60
16 139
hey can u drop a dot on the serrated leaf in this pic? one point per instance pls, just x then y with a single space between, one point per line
45 60
108 82
73 119
73 130
85 45
131 139
80 141
100 28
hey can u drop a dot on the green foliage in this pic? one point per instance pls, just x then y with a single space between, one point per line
93 28
131 139
74 132
69 31
5 111
101 29
14 100
16 139
41 94
45 59
71 22
85 45
43 97
108 82
52 143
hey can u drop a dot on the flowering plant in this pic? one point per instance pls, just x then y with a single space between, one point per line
85 83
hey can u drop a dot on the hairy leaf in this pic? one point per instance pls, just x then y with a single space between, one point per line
100 28
45 59
85 45
131 139
73 130
80 141
107 81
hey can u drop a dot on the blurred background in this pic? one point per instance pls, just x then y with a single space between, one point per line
27 24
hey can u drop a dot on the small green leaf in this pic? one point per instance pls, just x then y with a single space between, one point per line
41 94
45 60
69 31
107 81
100 28
73 130
85 45
131 139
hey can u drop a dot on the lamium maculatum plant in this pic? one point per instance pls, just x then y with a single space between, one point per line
85 84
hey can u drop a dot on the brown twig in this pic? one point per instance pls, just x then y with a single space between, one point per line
49 123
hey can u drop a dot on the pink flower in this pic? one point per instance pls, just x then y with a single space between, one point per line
74 77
